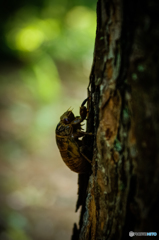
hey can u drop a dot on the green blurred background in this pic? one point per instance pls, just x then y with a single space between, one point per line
46 52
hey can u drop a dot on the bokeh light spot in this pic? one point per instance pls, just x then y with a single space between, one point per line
81 17
29 39
48 84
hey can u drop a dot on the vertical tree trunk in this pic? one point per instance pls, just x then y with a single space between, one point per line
122 191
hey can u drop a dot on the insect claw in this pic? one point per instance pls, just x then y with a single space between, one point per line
84 102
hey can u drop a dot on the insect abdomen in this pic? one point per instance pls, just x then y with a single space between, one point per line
70 154
78 165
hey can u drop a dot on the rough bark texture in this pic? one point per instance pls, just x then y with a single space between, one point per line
122 191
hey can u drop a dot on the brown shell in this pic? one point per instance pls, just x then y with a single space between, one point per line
70 149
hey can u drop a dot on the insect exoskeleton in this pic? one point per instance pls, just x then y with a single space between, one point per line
68 131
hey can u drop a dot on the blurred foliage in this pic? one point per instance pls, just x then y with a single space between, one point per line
46 50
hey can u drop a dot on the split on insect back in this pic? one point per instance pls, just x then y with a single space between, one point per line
68 132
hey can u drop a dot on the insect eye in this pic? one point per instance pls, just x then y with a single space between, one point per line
66 120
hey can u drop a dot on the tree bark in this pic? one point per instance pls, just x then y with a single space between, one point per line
121 192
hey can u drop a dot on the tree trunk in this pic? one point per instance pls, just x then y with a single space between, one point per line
121 192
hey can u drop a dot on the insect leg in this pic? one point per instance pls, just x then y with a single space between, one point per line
83 114
81 148
83 103
84 133
78 134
